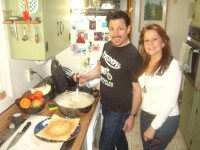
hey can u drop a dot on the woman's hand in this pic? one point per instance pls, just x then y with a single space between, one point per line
149 134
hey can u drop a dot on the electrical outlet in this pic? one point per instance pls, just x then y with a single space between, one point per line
29 75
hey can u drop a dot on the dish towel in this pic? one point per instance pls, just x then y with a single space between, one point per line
185 57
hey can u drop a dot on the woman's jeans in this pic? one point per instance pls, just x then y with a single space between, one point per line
112 134
166 132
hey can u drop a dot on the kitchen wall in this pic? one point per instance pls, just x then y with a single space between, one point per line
176 27
179 17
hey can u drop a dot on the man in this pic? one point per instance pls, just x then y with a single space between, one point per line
119 88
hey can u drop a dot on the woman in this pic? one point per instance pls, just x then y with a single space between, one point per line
160 80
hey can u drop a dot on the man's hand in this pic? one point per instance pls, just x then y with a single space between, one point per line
82 77
128 125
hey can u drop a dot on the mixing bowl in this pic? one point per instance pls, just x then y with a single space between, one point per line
72 103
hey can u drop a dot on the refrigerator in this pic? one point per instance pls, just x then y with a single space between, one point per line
88 34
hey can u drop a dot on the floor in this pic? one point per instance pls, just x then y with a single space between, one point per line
135 143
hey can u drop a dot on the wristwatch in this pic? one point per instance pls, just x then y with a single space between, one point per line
133 114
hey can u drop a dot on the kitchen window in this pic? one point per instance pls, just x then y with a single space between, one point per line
5 78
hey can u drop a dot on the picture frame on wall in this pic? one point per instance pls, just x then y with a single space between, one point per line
153 11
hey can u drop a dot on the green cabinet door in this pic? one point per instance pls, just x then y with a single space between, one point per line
53 30
186 109
196 15
56 26
195 132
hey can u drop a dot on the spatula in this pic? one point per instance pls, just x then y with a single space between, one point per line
77 86
26 12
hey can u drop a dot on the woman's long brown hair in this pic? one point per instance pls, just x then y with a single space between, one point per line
166 58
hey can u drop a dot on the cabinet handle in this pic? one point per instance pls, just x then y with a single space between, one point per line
190 142
191 101
61 27
58 28
47 47
197 111
193 16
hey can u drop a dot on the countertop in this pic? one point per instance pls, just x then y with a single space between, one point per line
74 144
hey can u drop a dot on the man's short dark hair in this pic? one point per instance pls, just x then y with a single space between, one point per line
117 14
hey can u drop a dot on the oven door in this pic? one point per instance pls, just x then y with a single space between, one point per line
91 141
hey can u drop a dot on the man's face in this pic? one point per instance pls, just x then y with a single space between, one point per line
118 32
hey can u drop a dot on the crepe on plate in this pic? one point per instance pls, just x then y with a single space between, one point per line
59 128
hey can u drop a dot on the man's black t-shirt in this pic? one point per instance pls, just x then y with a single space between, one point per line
118 66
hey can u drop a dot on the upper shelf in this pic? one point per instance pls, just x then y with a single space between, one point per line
22 22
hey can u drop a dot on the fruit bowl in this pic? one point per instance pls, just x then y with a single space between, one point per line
30 110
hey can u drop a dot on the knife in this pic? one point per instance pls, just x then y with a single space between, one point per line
18 135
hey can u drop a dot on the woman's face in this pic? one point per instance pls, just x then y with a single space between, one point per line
153 43
118 32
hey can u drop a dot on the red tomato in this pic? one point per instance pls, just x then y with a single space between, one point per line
32 97
38 94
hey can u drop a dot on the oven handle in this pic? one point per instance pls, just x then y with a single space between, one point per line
196 50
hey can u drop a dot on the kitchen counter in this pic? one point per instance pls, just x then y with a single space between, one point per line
74 144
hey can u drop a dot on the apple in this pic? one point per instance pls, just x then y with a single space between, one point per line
36 103
42 100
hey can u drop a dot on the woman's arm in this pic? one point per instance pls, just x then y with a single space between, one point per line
172 88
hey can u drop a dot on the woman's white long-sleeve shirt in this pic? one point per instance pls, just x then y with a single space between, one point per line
161 98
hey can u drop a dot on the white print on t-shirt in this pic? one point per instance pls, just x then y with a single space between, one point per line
106 82
110 61
106 72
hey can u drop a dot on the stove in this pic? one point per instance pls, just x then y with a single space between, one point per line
193 40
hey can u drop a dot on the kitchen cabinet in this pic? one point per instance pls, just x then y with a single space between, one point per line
186 109
52 29
91 140
190 115
194 143
196 14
